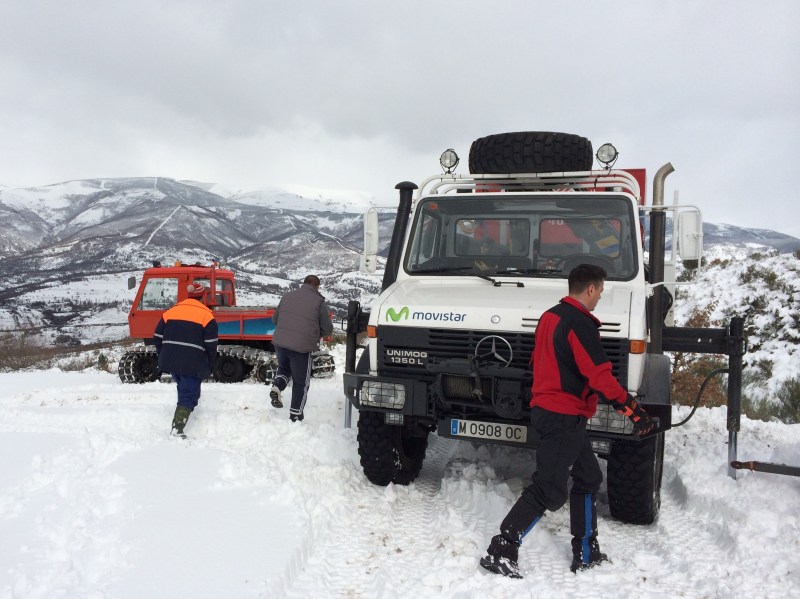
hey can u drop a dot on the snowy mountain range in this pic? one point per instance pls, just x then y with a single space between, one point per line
67 249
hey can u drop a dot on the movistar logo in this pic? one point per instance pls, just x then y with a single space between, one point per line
405 314
395 316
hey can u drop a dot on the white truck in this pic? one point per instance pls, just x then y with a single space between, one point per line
473 262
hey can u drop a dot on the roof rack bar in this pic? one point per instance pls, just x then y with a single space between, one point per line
443 188
445 183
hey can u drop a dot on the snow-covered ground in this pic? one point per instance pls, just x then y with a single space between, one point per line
98 501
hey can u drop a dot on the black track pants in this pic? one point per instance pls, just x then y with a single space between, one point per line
297 366
564 449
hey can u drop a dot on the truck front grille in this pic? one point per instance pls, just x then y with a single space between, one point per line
405 352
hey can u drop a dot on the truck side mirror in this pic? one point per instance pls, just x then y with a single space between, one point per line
369 259
131 283
690 235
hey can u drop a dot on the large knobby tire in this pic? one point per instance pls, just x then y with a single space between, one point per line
228 369
634 479
530 152
389 454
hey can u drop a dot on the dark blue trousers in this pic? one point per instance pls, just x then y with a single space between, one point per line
297 366
188 389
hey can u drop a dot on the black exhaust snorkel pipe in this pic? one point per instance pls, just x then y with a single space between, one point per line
658 227
398 234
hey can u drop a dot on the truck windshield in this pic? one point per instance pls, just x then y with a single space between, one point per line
535 236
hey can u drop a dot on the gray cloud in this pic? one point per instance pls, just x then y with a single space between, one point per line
360 95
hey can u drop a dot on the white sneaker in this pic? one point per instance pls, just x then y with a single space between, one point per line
275 396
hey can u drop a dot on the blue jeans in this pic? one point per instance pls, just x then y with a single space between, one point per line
296 365
188 390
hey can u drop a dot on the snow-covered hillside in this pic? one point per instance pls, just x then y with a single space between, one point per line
68 240
763 286
98 501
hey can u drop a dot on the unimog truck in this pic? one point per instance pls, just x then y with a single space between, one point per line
474 260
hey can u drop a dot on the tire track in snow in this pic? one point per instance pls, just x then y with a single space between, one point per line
386 530
699 572
636 552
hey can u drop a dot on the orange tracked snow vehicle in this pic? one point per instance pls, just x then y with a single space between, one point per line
245 332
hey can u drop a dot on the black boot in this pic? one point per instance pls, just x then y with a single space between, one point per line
501 557
586 554
180 419
583 524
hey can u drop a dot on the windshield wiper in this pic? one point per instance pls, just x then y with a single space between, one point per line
461 271
516 271
441 270
527 271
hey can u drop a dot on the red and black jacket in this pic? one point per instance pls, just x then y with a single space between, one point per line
571 371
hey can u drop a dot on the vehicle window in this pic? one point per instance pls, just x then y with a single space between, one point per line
428 238
561 237
159 294
224 295
224 292
492 237
537 235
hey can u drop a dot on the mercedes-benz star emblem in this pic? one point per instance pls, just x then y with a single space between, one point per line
494 348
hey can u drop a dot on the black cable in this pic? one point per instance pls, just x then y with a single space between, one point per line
699 395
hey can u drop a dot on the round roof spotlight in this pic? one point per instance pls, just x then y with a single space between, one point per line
449 160
607 155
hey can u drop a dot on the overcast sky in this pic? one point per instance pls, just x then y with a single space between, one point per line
361 95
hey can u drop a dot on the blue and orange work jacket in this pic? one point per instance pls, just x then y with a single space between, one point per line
186 339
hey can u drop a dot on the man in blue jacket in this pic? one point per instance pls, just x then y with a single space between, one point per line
571 373
301 319
186 341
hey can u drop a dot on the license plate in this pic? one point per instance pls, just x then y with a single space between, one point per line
510 433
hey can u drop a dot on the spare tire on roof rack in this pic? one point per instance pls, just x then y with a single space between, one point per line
530 152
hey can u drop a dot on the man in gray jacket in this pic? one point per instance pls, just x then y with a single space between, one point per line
301 318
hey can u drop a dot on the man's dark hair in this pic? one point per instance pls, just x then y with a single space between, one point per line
584 275
312 280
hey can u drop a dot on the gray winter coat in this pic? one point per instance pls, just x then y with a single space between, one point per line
301 318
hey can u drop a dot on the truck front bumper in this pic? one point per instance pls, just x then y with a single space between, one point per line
386 394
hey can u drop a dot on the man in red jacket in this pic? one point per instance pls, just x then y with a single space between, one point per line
186 341
571 372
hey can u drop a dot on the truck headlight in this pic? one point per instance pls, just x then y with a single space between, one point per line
606 419
449 160
607 154
383 395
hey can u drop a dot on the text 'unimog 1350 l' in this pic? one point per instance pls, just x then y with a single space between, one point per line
474 261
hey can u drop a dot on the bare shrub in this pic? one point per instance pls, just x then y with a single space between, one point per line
688 376
23 351
689 370
788 405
